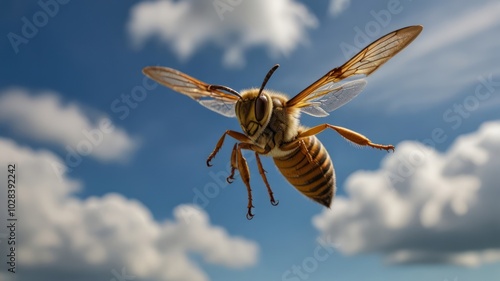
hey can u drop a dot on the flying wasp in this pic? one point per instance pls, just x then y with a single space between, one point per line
270 120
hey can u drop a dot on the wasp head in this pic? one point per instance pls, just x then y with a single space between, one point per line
255 107
254 111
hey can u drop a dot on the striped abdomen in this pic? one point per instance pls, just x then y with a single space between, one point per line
308 167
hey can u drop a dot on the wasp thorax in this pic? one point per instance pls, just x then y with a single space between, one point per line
254 111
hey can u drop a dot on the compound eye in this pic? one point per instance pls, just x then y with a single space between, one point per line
260 107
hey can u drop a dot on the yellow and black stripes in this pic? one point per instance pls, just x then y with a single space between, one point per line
308 168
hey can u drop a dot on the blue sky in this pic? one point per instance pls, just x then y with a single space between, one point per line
111 167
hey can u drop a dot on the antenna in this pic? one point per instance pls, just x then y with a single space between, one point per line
227 89
269 74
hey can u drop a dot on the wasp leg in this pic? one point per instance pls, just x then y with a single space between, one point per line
239 162
245 176
263 175
238 136
230 178
352 136
245 173
262 172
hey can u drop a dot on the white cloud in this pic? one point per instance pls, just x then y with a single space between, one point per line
187 25
423 206
44 117
338 6
64 237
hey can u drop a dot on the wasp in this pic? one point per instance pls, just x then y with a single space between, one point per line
270 120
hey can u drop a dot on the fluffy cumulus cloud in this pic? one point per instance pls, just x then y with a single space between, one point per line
423 206
44 117
279 26
62 237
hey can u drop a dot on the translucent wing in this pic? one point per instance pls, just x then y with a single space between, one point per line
222 107
210 96
364 63
332 96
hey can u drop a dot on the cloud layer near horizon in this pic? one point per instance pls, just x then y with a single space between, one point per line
423 206
62 236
